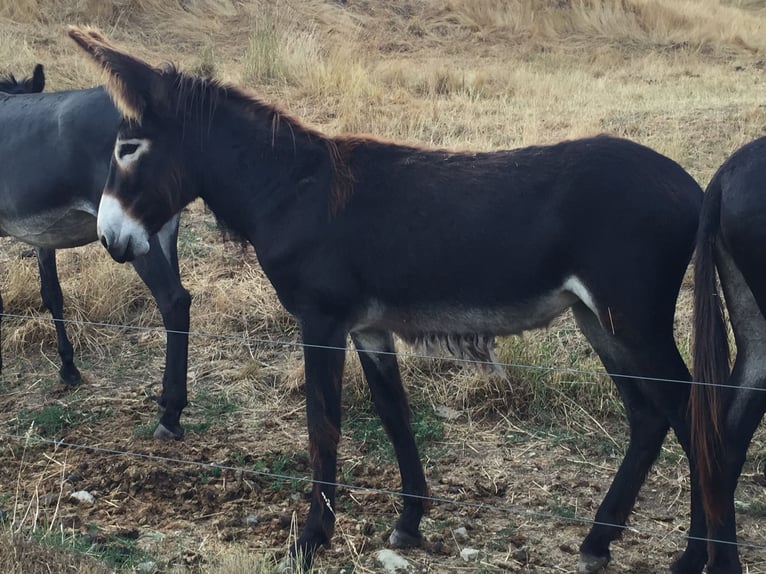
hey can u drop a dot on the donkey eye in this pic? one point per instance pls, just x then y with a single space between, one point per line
127 149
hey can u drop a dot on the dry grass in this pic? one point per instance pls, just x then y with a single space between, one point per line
685 77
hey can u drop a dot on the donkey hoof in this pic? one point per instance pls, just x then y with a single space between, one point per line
70 377
164 433
589 564
401 539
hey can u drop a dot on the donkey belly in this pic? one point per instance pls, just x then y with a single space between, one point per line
62 228
466 331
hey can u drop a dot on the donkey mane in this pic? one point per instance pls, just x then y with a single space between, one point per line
8 82
199 97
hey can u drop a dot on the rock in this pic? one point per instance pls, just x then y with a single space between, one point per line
251 520
460 534
82 496
446 412
392 562
469 554
148 567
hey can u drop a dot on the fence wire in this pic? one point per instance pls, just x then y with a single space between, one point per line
403 354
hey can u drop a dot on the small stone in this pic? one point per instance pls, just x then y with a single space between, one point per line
469 554
460 534
446 412
392 562
82 496
148 567
251 520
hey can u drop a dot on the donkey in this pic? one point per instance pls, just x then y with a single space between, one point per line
726 412
366 237
54 158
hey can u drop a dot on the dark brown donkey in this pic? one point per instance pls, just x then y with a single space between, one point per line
370 238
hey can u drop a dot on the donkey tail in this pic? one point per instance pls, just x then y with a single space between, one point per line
711 357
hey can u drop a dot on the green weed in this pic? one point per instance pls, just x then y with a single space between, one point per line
288 469
53 420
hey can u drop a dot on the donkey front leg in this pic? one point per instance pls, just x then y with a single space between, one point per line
159 271
376 352
50 291
324 357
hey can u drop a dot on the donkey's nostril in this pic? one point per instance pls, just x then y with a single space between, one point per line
104 242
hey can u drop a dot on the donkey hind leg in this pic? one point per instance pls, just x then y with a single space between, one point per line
159 271
743 417
649 417
324 356
746 301
53 298
376 353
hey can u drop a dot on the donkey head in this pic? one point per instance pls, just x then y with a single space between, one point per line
145 185
33 85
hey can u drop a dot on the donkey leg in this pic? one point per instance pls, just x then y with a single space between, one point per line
649 418
159 271
376 352
744 286
324 358
647 432
53 298
673 399
742 419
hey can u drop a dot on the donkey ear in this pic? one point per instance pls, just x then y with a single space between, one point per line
38 78
133 84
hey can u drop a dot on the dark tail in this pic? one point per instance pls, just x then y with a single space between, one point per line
711 357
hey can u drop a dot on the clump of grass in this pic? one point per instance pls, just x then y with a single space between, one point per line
263 59
207 410
362 424
21 554
53 419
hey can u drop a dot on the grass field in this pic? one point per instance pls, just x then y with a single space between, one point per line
685 77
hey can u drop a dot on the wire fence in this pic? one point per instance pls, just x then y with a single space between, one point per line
402 354
497 508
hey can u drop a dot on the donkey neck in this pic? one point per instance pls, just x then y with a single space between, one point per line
263 172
